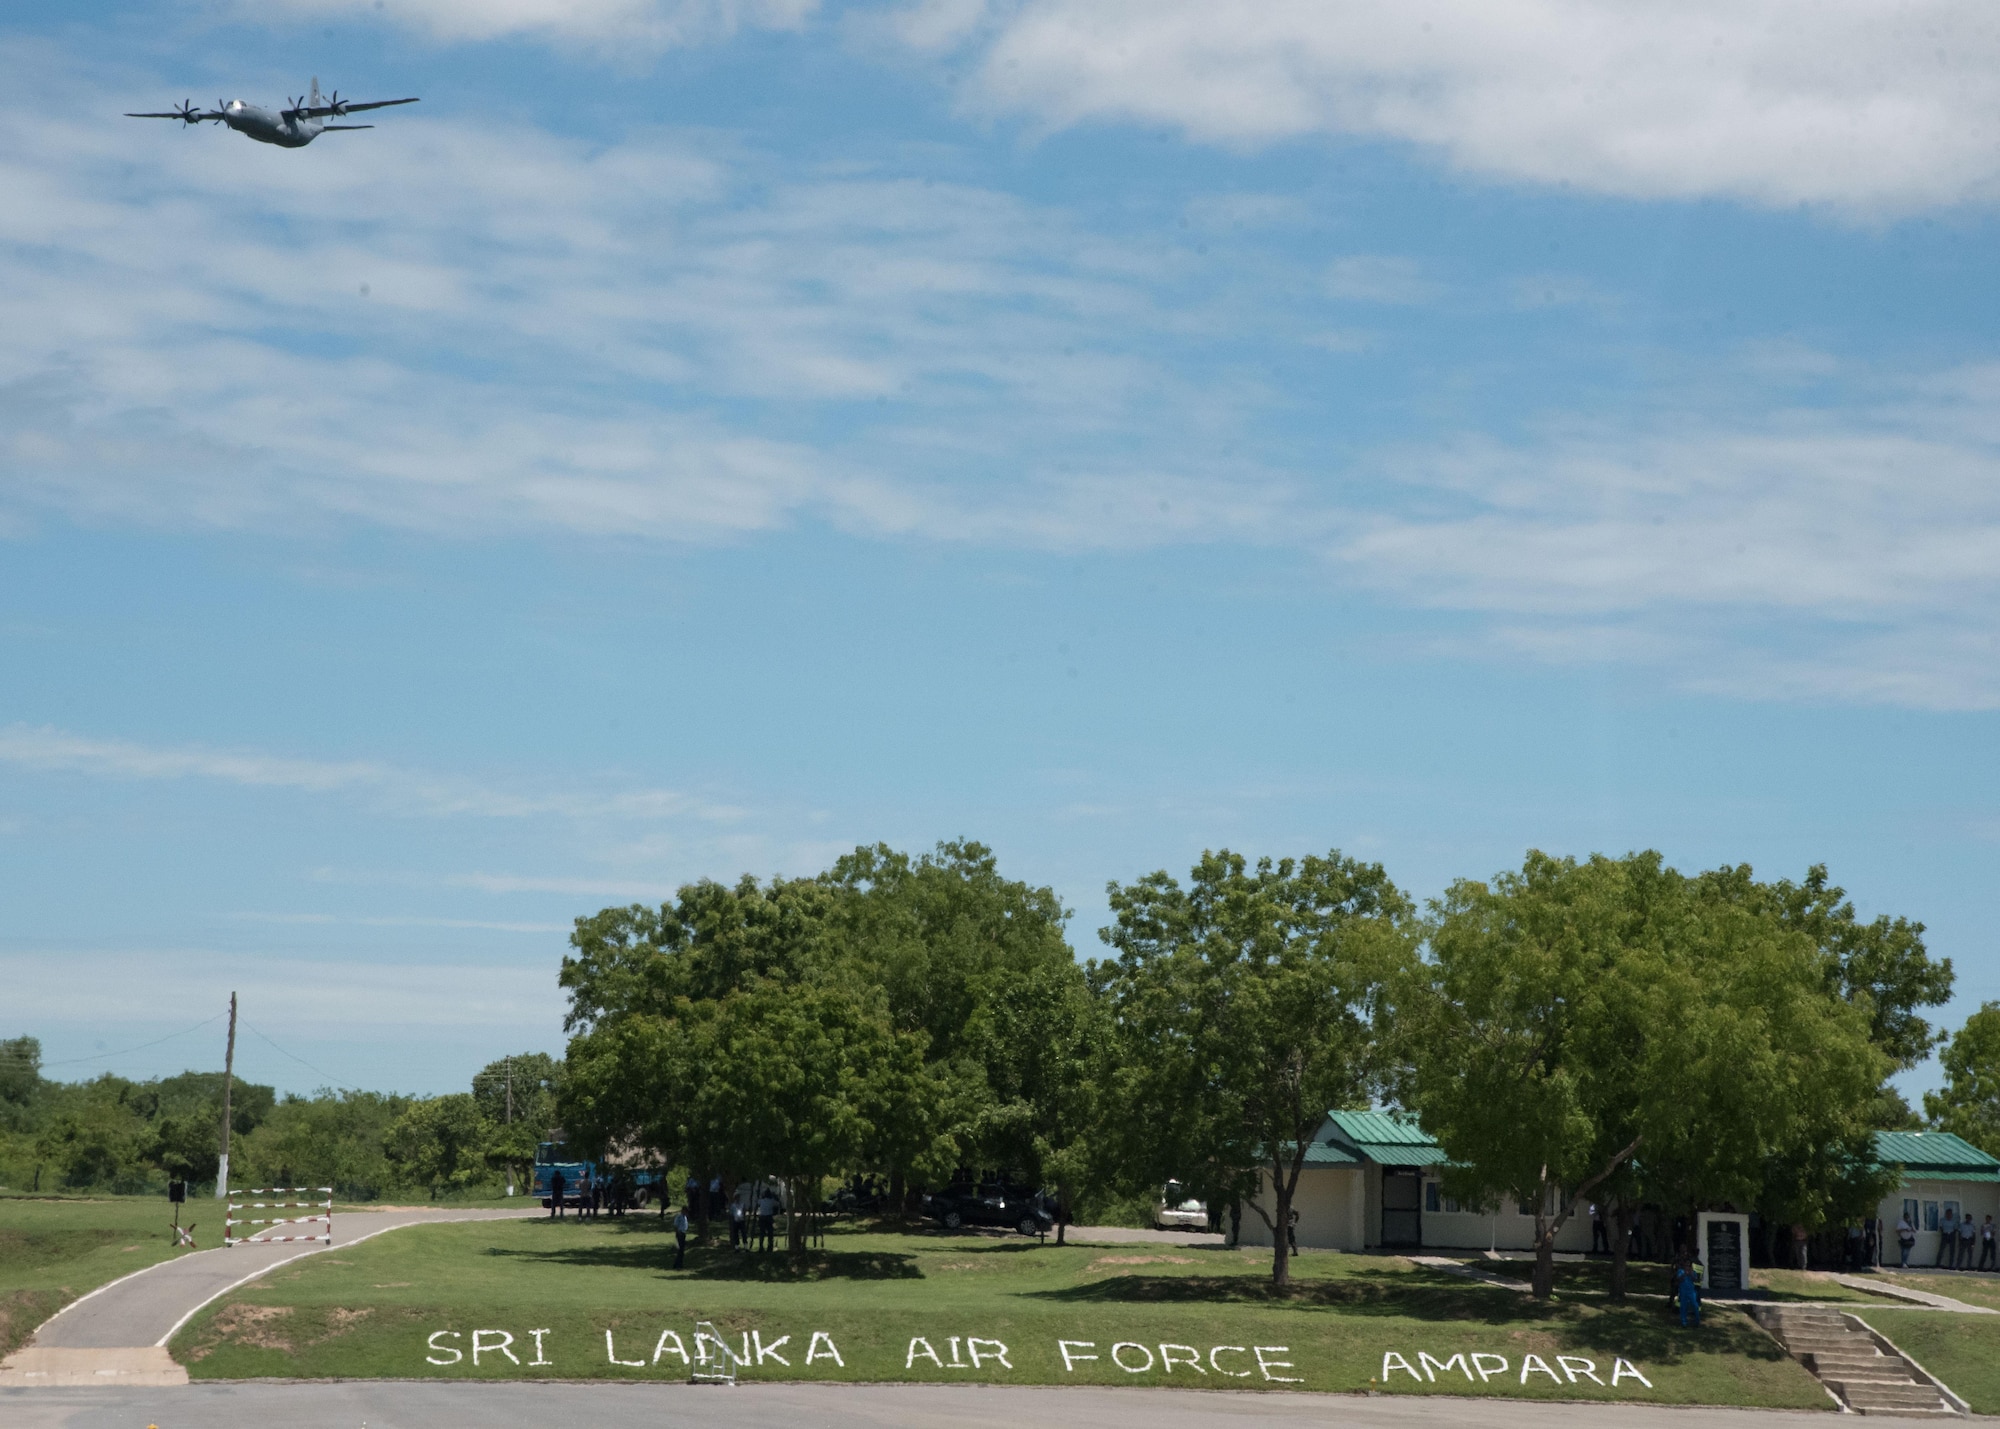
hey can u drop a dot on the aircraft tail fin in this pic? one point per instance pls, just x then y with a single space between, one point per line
315 101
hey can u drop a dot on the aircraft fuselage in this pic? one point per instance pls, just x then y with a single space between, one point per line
268 126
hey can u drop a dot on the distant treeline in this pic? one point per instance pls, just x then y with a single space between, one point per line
111 1133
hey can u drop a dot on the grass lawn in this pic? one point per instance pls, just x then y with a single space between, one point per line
1972 1289
1652 1279
400 1304
1961 1350
55 1248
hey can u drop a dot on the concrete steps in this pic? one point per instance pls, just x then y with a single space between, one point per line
1852 1363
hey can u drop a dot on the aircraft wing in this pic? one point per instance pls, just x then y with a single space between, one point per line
176 114
322 111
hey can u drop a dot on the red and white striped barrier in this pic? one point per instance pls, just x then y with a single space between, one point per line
324 1208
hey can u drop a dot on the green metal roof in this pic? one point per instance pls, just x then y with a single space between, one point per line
1326 1153
1386 1138
1380 1128
1935 1152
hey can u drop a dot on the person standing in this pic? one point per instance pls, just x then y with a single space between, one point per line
557 1185
767 1220
680 1237
1986 1246
1906 1238
1968 1235
738 1228
1947 1238
1687 1293
1799 1235
1292 1232
1600 1234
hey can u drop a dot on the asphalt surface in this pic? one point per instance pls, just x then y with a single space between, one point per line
147 1307
394 1404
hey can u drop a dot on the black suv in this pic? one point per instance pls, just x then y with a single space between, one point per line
991 1203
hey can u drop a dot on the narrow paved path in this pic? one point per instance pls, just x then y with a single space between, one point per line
119 1331
407 1404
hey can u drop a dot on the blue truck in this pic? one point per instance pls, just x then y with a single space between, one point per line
553 1156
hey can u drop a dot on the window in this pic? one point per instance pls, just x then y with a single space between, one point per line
1951 1210
1451 1204
1911 1213
1930 1215
1433 1196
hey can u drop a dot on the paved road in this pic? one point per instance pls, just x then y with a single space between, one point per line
388 1404
146 1308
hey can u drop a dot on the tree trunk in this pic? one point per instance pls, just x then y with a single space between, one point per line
1062 1212
1544 1281
1281 1257
896 1191
1621 1221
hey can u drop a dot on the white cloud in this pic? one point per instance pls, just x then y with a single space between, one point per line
1857 105
397 790
654 24
1793 555
1378 278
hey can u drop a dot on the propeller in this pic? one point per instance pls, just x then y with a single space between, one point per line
334 107
188 113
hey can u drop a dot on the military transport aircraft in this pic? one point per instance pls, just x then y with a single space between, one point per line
293 127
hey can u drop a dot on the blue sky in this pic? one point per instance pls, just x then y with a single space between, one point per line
702 436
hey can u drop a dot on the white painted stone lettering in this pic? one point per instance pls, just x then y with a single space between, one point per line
1434 1368
499 1346
540 1358
1569 1365
956 1362
1499 1366
670 1343
1534 1364
1068 1348
1228 1350
770 1351
436 1348
1268 1365
998 1352
1119 1359
1193 1360
1625 1369
927 1352
611 1353
1392 1361
832 1350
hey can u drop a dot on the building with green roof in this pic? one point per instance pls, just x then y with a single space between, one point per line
1945 1180
1374 1179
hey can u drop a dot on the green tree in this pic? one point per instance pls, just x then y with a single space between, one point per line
1041 1037
1247 1005
1968 1103
519 1097
442 1144
331 1138
1882 966
1514 1033
20 1073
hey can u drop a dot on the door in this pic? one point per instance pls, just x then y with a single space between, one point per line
1402 1208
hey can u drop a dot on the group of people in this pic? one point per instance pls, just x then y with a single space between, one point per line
594 1195
1958 1237
753 1218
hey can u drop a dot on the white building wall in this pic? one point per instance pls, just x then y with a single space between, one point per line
1340 1208
1981 1198
1330 1210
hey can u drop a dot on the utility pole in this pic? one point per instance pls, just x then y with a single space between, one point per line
228 1081
510 1120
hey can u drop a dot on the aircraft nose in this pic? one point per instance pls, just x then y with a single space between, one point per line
235 106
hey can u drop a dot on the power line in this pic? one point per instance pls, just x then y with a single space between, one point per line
293 1055
106 1056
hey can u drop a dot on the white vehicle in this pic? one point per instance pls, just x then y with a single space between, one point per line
1176 1211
